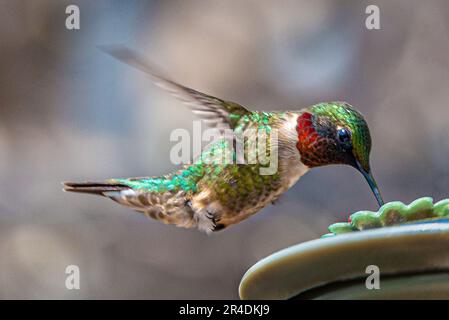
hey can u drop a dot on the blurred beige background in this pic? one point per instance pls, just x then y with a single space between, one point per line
70 112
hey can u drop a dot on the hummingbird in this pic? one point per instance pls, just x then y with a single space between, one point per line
211 196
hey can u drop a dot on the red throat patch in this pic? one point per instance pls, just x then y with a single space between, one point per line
310 145
306 131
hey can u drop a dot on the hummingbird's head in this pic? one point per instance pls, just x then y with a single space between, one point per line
336 133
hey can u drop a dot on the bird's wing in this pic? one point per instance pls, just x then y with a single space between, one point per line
216 112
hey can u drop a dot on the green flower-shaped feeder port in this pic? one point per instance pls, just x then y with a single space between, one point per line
392 213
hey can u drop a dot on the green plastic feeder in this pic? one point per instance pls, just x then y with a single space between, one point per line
408 244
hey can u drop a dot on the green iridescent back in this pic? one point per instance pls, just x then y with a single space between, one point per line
216 168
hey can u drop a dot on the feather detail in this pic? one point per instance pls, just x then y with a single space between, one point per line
222 112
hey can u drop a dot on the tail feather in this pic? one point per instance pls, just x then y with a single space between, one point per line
98 188
170 207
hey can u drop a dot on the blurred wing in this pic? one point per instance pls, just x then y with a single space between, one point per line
216 112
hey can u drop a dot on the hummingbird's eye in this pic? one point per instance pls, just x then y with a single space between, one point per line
344 137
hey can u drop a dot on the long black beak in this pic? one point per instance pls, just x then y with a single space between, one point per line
372 183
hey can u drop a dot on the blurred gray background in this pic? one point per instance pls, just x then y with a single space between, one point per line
70 112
